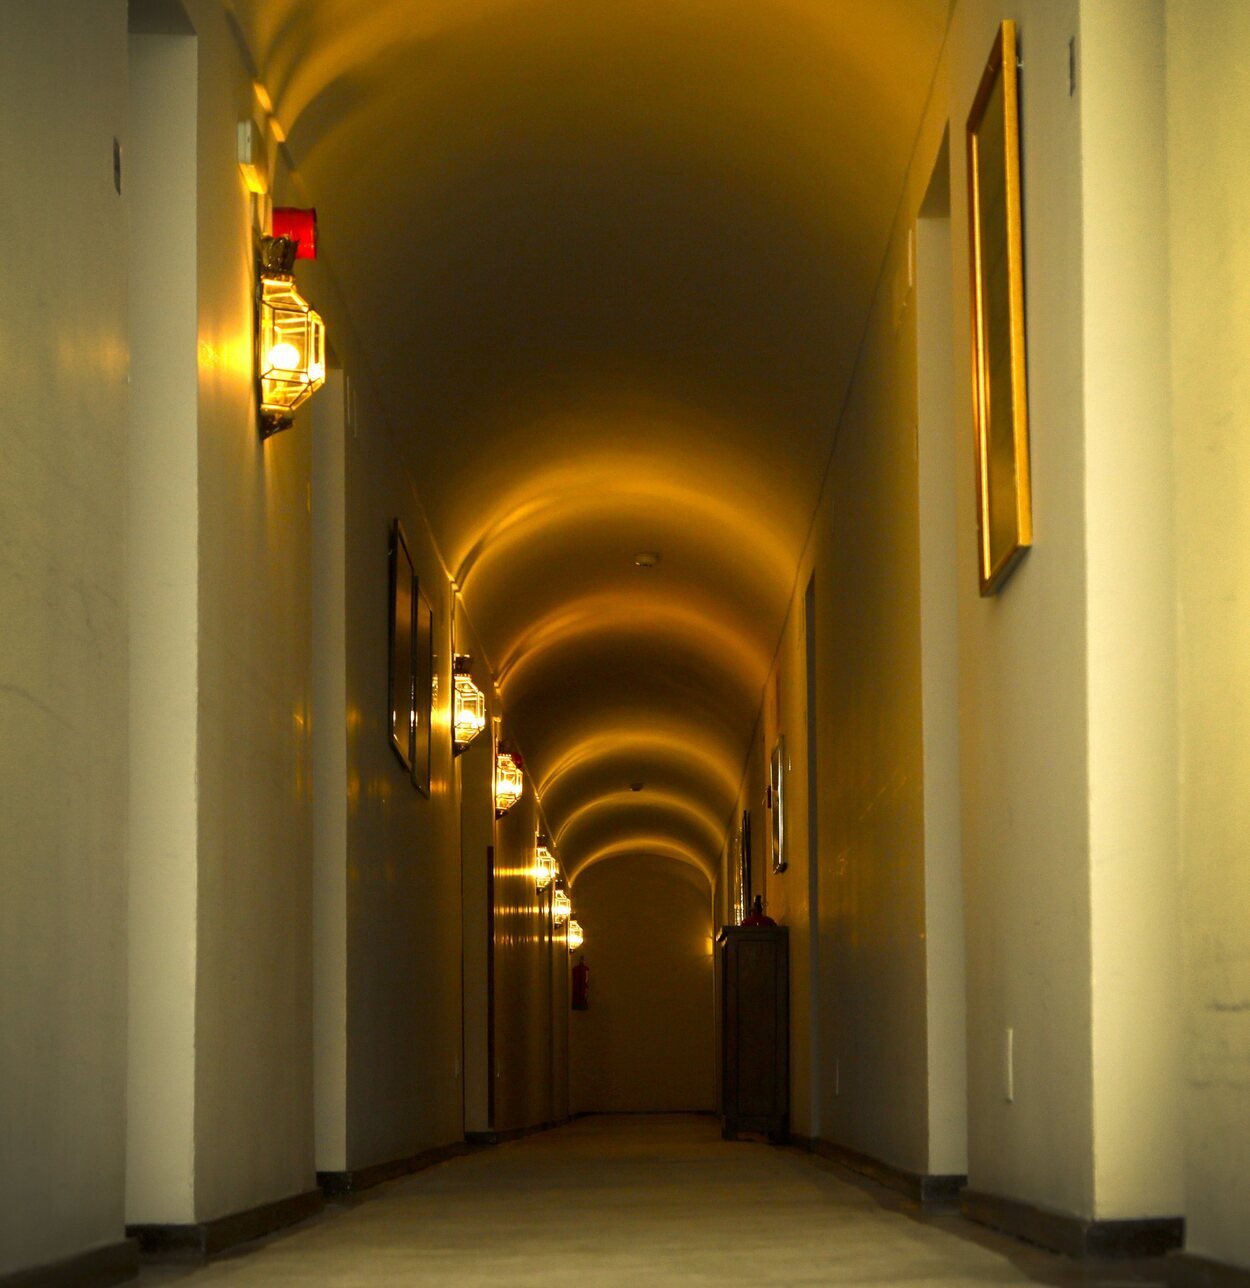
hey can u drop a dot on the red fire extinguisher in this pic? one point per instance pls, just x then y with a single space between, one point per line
581 985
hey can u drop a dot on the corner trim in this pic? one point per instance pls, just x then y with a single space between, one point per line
97 1267
1189 1270
1073 1235
339 1185
198 1240
924 1187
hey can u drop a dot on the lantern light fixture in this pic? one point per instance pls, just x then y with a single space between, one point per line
576 938
469 714
545 867
290 338
509 781
561 907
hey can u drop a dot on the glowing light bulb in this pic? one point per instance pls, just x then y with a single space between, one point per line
561 907
284 357
576 939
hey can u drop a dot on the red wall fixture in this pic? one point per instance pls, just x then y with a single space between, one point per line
300 226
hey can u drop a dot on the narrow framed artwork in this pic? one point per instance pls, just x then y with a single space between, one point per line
999 384
777 806
744 867
401 653
423 678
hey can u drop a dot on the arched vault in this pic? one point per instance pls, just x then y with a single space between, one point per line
610 264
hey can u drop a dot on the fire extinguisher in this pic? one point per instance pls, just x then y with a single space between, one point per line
581 985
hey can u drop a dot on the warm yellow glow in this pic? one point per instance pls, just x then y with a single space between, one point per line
653 805
576 938
561 907
284 357
469 718
656 846
545 870
727 647
671 740
253 157
509 782
292 346
253 179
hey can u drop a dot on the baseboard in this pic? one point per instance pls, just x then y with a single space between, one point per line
337 1185
515 1133
1072 1235
924 1187
643 1113
1188 1270
96 1268
197 1240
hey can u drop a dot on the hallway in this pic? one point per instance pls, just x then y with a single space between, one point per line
572 559
637 1200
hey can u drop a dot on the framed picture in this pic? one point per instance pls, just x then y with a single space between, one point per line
403 586
744 867
999 387
777 806
424 677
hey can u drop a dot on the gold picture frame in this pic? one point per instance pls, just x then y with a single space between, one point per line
999 383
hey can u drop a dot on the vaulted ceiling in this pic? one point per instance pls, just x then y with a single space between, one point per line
612 260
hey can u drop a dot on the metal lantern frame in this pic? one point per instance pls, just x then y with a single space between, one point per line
545 867
468 705
509 781
285 322
561 907
575 936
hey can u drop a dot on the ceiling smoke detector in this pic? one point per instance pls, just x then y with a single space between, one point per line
646 559
635 787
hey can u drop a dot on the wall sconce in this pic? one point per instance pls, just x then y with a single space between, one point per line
561 907
290 337
508 781
545 868
576 938
469 705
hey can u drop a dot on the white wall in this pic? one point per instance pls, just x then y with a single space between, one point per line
938 458
63 645
329 731
163 559
253 998
1131 615
476 783
1023 659
403 849
523 951
1208 50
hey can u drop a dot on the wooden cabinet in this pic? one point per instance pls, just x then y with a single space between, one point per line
755 1030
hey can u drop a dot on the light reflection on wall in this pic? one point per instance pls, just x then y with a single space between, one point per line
657 846
648 802
622 613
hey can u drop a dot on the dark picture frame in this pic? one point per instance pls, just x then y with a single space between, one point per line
401 648
999 383
423 674
777 768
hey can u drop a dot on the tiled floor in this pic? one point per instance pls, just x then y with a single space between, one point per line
647 1200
